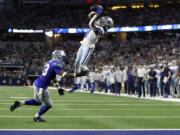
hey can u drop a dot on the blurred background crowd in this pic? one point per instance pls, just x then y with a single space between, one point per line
117 58
53 16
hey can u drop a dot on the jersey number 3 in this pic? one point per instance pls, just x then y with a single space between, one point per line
45 70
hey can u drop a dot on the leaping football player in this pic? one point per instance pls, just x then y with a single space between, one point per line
98 27
41 94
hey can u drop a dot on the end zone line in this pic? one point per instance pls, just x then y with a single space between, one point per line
89 129
111 104
136 117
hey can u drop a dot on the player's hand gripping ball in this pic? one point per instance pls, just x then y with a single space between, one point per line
95 7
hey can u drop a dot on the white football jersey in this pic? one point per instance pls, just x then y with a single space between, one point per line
173 69
112 78
91 38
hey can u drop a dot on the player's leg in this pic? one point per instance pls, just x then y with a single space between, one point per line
77 69
82 58
172 87
86 56
139 87
78 59
34 102
47 105
93 84
154 88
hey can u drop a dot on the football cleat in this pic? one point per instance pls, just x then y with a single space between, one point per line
14 106
39 119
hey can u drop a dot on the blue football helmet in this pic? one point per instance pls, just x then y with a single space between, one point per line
59 55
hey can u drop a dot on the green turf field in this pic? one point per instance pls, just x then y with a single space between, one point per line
89 111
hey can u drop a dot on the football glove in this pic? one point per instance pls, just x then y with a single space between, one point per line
61 91
82 73
98 8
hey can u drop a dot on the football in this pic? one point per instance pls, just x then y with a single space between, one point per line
94 7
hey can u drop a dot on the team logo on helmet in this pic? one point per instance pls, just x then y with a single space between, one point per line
105 22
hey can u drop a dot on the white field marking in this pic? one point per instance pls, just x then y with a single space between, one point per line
125 95
158 98
77 99
26 109
132 96
138 117
111 104
90 130
118 100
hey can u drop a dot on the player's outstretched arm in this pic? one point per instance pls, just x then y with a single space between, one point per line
67 75
60 90
99 10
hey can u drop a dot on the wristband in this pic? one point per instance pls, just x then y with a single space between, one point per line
99 10
64 74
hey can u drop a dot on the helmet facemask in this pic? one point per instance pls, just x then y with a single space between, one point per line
106 22
60 56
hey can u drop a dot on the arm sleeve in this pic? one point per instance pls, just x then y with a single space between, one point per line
58 69
92 21
100 30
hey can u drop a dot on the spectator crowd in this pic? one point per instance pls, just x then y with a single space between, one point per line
53 16
136 64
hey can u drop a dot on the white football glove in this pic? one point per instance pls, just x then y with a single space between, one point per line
40 94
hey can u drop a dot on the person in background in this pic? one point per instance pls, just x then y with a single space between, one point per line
107 82
152 81
102 84
177 83
141 72
97 76
125 78
112 80
130 82
119 79
146 81
135 79
158 76
173 84
165 80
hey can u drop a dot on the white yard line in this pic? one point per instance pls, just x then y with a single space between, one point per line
132 96
86 100
26 109
111 104
138 117
89 130
122 95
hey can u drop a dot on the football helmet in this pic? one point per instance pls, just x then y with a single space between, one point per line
59 55
105 21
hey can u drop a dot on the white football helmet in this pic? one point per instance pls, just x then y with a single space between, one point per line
105 22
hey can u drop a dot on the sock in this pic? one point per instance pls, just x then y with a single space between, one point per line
79 86
36 115
33 102
93 87
22 102
43 109
74 88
